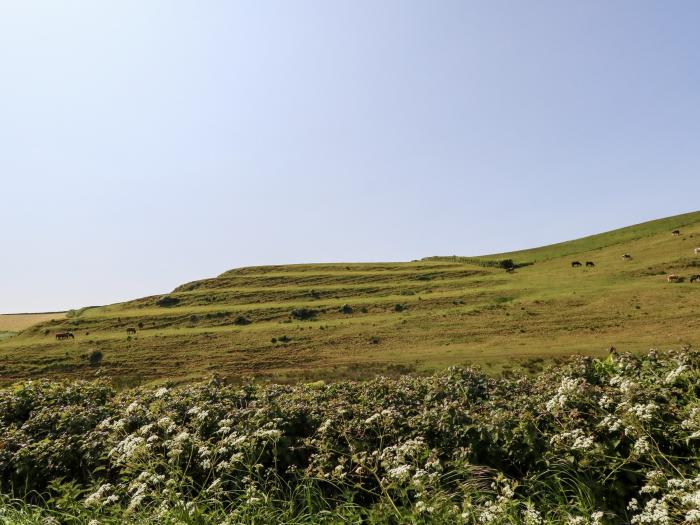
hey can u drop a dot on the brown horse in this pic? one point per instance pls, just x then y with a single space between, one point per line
626 256
676 233
590 264
673 278
130 331
64 335
575 264
695 278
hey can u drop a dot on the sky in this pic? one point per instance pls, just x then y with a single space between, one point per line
148 144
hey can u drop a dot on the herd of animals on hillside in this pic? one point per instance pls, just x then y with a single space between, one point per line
671 278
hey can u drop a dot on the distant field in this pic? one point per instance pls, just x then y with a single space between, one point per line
19 322
335 321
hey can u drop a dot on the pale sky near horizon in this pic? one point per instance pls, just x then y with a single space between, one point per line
147 144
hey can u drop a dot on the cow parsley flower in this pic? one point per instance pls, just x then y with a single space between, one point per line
531 516
654 512
673 375
641 446
400 473
372 419
644 412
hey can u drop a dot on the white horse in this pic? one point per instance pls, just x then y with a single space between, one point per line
697 251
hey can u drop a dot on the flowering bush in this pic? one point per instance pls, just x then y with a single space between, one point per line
591 442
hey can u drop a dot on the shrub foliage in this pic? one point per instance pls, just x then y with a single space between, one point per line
593 441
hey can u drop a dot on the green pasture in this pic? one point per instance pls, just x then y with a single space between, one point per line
333 321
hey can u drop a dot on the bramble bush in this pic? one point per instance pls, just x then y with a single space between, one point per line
590 442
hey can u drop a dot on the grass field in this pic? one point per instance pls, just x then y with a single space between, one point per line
12 324
19 322
334 321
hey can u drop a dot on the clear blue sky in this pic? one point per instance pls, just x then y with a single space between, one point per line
148 143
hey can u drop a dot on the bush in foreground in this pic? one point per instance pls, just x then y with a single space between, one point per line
593 442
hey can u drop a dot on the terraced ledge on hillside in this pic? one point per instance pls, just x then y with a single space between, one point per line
354 320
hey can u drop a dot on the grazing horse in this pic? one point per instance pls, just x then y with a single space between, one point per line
575 264
626 256
590 264
695 278
676 233
130 331
673 278
64 335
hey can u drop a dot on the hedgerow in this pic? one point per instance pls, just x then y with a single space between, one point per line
590 442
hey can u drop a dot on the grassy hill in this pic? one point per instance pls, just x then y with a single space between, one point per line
330 321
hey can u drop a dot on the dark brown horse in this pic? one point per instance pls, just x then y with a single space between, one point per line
676 232
695 278
575 264
64 335
130 330
590 264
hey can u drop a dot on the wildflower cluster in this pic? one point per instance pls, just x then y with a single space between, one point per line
591 442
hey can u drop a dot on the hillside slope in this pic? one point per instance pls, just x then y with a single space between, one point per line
356 320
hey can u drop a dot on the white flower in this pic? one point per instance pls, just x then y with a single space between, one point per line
567 388
326 425
161 392
167 424
576 439
673 375
644 412
400 473
135 502
583 443
605 402
272 434
372 418
95 499
531 516
641 446
655 512
181 437
612 423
